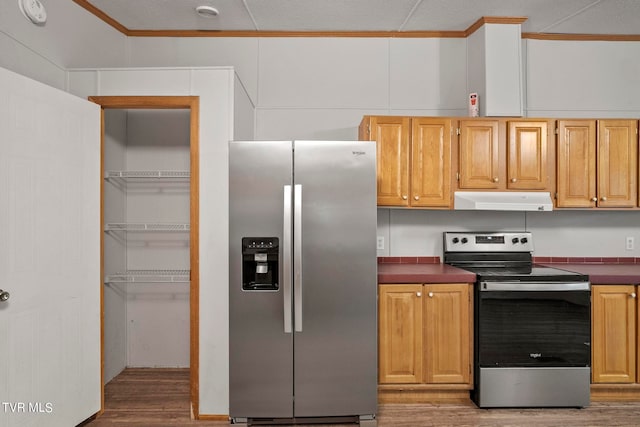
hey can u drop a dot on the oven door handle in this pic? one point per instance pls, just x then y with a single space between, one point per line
533 286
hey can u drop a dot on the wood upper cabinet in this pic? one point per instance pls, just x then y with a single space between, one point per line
400 334
430 162
528 160
447 334
413 159
617 163
614 345
576 164
392 136
503 154
597 163
479 155
424 334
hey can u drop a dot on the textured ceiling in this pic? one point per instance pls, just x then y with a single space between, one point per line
603 17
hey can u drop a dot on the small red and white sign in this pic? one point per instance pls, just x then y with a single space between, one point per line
474 110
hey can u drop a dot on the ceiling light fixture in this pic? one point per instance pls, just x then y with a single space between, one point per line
207 11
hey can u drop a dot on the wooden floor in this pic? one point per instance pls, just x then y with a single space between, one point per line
160 398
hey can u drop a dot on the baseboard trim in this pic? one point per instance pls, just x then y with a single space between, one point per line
424 393
211 417
615 392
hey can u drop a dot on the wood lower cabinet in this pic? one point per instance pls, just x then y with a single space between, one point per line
615 347
447 334
597 164
413 159
615 338
400 334
425 350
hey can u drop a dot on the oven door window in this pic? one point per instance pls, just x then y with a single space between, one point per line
533 329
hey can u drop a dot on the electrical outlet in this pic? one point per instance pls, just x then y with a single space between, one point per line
629 243
380 243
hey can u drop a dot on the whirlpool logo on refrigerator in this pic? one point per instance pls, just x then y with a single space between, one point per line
358 153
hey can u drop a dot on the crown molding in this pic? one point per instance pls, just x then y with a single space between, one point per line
361 34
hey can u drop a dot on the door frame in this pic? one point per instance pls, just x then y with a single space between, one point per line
191 103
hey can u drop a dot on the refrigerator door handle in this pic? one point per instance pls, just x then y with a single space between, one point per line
297 257
286 259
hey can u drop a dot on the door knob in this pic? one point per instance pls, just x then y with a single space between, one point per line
4 295
430 294
514 180
495 179
594 199
604 199
416 197
633 294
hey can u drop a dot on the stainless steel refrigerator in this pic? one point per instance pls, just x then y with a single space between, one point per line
302 281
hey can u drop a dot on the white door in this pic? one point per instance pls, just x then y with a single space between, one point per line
49 255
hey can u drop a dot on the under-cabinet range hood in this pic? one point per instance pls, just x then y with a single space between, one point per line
503 201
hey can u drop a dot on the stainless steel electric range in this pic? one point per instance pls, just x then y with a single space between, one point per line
532 324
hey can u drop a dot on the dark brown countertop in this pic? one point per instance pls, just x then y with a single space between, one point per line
423 273
599 274
605 274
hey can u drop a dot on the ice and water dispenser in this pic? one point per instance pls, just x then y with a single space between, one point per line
260 263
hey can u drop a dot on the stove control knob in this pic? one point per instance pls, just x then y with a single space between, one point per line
464 240
524 240
515 240
455 240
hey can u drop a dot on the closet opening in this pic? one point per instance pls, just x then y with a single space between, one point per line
149 238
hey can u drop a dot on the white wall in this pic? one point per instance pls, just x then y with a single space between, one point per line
476 67
582 79
587 233
157 313
503 70
115 298
584 233
319 88
244 117
71 36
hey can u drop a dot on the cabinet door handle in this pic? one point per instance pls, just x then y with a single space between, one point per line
495 179
418 294
604 199
633 295
430 294
416 198
594 199
4 295
514 180
404 197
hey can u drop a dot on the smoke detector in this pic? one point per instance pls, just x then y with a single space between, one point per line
206 11
33 10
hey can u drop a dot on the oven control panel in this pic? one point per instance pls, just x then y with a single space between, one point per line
488 242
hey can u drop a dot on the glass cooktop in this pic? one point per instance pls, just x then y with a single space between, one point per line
526 274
